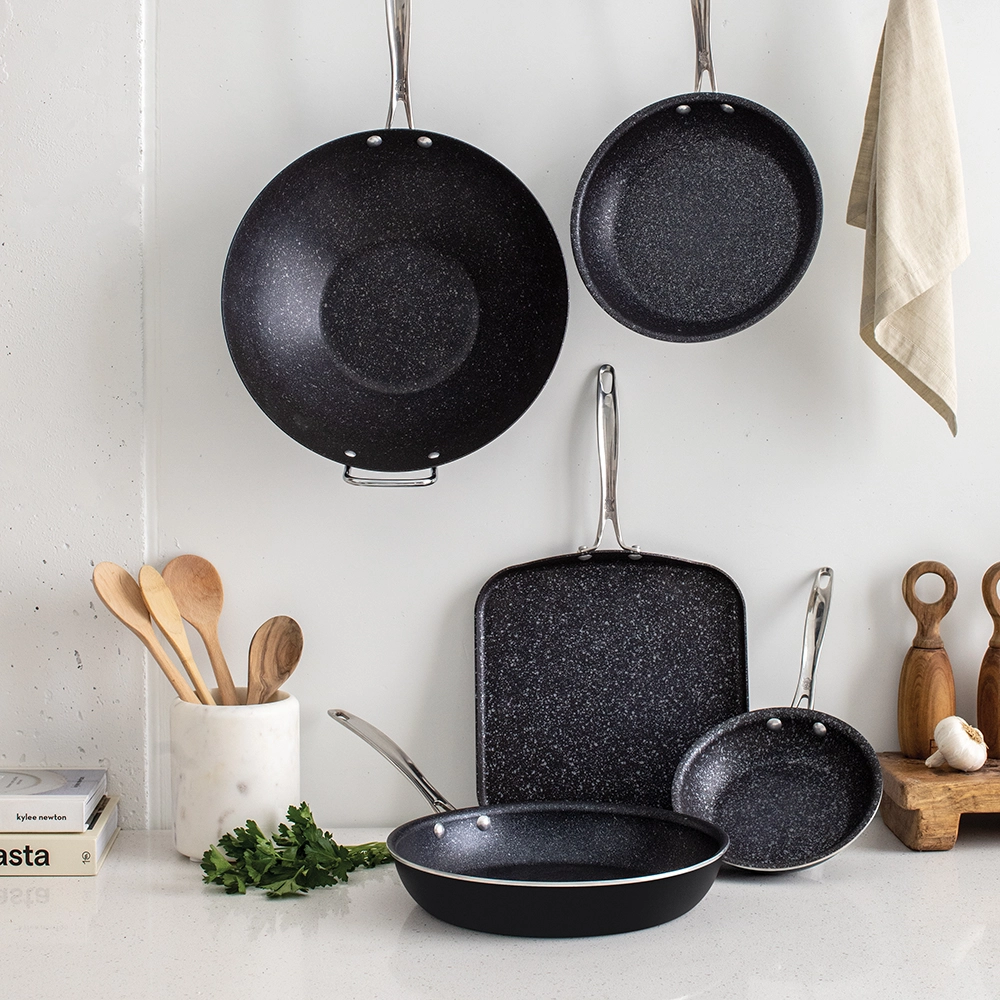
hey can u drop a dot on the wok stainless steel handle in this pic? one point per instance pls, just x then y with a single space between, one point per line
701 10
351 477
812 638
397 17
394 754
607 453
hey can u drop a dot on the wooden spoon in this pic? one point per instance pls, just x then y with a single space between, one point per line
163 608
274 653
122 597
197 589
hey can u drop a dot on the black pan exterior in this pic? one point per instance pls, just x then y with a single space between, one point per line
692 226
394 304
788 797
593 676
557 869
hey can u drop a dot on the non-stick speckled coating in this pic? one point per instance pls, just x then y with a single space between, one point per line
594 676
690 227
397 305
788 798
557 869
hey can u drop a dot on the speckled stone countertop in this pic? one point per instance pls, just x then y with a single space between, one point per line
877 920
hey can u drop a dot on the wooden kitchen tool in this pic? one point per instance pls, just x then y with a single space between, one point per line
163 608
926 682
274 653
988 694
122 597
922 806
197 589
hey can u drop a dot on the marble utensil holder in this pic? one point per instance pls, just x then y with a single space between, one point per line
229 764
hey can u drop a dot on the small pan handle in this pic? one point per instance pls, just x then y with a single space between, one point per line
607 453
394 754
397 17
701 10
812 638
351 477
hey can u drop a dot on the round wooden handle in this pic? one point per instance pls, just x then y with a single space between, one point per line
992 600
929 616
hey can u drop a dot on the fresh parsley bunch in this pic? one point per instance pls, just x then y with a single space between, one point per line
296 859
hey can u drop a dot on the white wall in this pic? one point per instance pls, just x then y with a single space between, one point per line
769 453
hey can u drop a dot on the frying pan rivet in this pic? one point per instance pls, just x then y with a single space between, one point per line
774 725
351 453
433 455
374 140
683 109
819 729
728 108
425 141
483 823
439 830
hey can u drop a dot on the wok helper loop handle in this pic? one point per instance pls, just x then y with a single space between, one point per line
812 638
394 754
397 17
701 11
607 453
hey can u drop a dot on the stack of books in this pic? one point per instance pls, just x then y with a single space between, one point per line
55 822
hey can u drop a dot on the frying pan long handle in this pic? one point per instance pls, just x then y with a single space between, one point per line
812 638
397 17
607 453
394 754
701 10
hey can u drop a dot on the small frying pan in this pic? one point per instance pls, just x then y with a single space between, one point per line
547 869
791 786
698 215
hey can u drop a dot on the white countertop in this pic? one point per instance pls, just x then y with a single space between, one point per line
877 920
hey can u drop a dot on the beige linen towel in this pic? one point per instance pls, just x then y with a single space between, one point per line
907 194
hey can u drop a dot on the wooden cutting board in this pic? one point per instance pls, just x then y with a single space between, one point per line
922 806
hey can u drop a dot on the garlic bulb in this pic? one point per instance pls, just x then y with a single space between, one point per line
959 744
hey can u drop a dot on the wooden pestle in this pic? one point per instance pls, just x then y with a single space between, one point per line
926 682
988 693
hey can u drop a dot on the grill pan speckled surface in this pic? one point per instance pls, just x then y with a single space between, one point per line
395 299
547 869
597 669
791 786
698 215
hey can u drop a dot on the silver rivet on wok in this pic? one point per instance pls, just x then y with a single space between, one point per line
374 140
774 725
439 830
425 141
483 823
683 109
728 108
819 729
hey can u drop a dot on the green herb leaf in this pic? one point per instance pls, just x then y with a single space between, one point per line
299 857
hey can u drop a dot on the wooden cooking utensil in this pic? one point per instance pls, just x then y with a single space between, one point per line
988 693
197 589
163 608
926 682
274 653
122 597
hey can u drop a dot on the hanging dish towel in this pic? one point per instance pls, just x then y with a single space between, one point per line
907 195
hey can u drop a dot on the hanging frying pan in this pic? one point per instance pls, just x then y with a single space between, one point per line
394 300
791 786
699 214
596 670
547 869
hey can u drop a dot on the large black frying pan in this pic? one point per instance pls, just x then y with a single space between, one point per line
791 786
396 299
698 215
554 869
596 670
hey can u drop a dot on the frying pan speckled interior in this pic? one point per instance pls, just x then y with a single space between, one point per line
596 670
791 786
394 299
698 215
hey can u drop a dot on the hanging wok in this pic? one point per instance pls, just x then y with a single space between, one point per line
394 300
697 216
